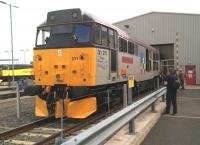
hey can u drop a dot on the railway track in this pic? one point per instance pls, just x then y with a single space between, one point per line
9 94
42 132
46 130
10 133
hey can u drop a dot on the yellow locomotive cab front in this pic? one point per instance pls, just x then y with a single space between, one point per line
71 66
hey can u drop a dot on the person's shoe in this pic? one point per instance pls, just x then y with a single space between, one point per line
174 113
166 112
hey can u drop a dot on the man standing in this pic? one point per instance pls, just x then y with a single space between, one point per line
181 78
171 92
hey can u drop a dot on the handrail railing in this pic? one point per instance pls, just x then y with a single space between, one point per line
106 128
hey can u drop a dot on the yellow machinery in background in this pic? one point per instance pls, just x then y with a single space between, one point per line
20 71
17 72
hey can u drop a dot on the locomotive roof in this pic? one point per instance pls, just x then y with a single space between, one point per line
79 16
66 16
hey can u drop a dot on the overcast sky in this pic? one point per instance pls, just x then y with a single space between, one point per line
31 13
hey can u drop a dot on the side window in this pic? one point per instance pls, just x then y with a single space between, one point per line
116 40
136 49
130 48
111 39
104 36
155 61
97 34
120 44
133 48
124 45
148 60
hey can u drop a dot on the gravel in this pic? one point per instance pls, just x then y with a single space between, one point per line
8 114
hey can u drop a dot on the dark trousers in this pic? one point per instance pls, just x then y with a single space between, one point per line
171 99
182 84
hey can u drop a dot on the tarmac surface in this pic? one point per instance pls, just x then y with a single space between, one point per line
181 129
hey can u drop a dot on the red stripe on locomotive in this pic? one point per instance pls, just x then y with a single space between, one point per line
127 60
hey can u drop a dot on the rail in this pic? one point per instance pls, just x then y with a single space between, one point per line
98 133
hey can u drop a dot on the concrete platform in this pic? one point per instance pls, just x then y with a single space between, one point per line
183 128
143 124
190 87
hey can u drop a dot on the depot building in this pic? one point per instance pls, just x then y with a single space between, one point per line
176 35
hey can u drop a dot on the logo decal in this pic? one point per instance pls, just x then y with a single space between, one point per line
59 52
127 60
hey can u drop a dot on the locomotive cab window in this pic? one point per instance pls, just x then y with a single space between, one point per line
42 35
97 34
104 36
62 29
111 39
68 35
82 33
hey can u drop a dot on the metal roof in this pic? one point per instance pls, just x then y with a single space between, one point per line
153 12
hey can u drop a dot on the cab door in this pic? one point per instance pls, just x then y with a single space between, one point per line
113 55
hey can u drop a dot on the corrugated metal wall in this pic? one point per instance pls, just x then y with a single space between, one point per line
160 28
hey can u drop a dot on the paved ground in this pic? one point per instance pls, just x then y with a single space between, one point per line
182 129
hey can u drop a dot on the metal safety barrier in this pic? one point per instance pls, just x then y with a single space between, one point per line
100 132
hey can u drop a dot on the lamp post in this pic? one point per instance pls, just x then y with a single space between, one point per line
24 51
11 35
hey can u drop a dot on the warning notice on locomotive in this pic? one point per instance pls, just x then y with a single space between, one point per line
131 81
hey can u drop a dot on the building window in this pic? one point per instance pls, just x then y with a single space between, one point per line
104 36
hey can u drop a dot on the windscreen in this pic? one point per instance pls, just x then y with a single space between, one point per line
68 35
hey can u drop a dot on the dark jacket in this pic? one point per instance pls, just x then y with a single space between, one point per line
171 85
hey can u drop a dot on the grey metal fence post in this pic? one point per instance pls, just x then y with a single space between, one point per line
125 95
18 100
61 134
163 98
153 107
130 100
158 83
138 89
132 121
132 126
60 140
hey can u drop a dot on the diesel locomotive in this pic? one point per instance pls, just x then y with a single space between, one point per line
77 55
